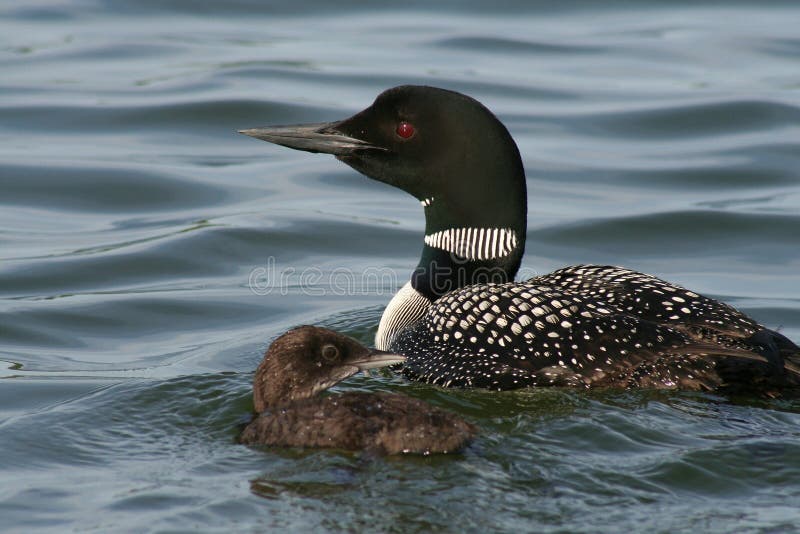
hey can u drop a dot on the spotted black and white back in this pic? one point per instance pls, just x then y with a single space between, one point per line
581 325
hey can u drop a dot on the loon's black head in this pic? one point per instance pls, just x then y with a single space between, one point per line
453 155
307 360
427 141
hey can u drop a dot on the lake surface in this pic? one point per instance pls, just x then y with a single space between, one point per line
149 253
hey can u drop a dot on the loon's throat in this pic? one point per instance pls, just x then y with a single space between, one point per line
459 256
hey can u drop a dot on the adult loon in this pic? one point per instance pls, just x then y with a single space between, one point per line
462 321
307 360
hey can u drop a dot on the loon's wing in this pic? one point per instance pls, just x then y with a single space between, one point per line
701 318
643 295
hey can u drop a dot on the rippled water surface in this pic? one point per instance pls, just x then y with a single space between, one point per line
148 254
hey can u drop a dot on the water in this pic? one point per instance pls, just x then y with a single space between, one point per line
146 256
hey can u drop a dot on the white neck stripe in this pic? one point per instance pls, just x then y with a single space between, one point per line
474 243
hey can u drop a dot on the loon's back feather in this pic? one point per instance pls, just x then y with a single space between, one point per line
651 298
584 326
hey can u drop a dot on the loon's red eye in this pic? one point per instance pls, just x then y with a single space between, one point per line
405 129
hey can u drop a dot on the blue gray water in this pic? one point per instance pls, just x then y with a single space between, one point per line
148 254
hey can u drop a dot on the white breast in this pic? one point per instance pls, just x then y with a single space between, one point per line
406 308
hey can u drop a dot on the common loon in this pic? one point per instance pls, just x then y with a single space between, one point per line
307 360
462 320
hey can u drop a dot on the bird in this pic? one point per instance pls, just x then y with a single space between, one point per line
462 321
303 362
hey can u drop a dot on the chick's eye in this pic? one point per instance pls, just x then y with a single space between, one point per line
330 353
405 129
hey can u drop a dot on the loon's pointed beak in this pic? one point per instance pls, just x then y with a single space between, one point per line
321 137
375 359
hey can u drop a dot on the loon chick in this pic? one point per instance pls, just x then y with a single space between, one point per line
307 360
462 321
